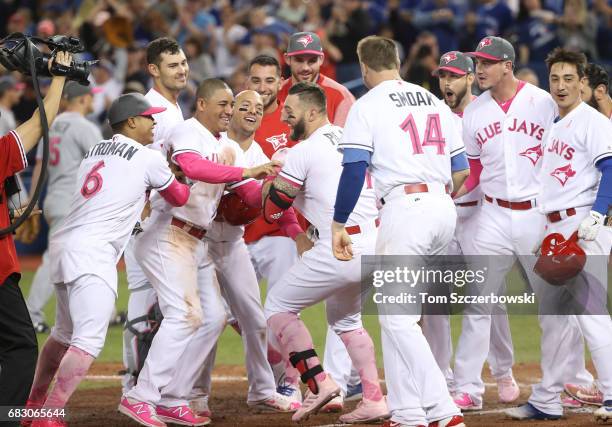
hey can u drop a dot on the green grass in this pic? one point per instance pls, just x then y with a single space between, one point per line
525 331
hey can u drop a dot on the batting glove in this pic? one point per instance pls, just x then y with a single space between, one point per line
589 227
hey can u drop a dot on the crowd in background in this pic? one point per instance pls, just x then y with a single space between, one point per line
219 37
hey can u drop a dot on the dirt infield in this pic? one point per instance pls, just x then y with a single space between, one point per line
97 406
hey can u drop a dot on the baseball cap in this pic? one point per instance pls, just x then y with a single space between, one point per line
456 62
305 43
73 90
494 49
131 105
9 82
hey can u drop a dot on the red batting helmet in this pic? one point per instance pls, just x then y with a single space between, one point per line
560 259
235 211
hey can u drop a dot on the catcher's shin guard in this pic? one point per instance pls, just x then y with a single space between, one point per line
307 375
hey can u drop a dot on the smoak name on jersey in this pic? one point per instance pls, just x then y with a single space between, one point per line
414 99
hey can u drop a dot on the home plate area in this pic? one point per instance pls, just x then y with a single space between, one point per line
96 404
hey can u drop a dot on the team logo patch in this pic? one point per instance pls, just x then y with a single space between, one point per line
449 57
277 141
563 173
533 154
484 42
305 40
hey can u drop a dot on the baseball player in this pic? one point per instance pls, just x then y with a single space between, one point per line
408 140
503 130
575 195
596 91
174 256
236 275
309 177
456 75
270 251
169 71
70 138
111 189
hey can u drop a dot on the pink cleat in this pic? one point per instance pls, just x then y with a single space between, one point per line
587 395
48 422
391 423
141 412
454 421
328 389
276 403
465 402
507 389
367 411
200 407
334 405
570 402
181 415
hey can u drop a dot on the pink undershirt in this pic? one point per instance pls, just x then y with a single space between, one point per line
196 167
176 193
505 106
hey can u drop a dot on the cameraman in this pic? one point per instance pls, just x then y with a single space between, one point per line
18 346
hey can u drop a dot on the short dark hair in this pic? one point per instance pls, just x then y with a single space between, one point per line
209 86
310 93
118 127
265 61
378 53
159 46
560 54
597 75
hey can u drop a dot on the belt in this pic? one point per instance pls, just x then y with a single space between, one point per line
557 216
355 229
414 188
515 206
192 230
466 204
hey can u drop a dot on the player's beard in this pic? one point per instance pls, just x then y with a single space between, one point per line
270 101
458 98
592 102
299 129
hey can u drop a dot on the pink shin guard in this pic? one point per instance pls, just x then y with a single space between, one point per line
361 350
296 345
72 370
49 361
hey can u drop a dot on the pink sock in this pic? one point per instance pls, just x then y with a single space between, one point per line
293 336
361 350
48 361
72 370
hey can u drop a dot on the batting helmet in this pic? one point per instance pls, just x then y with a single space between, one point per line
560 260
235 211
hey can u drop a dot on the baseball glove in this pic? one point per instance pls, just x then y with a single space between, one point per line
560 260
235 212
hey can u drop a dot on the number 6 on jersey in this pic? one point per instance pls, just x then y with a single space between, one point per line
93 181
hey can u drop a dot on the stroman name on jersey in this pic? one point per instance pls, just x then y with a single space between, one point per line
401 99
112 147
523 126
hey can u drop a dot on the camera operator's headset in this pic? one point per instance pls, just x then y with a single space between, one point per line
19 53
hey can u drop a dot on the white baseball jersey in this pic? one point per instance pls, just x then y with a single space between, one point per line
476 193
164 121
192 137
111 190
316 165
509 145
410 143
571 148
222 231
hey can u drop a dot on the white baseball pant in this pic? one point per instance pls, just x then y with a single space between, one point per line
414 224
171 259
84 308
596 329
511 235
